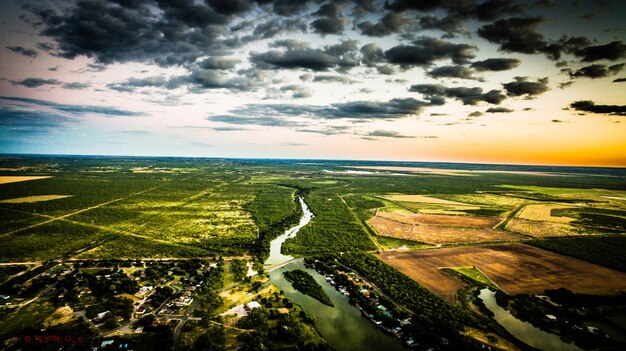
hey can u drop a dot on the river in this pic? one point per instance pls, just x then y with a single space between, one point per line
342 326
524 331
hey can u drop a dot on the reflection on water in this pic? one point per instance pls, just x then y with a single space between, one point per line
524 331
341 326
276 257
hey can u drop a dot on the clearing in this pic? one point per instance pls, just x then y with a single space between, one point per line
543 212
35 198
516 268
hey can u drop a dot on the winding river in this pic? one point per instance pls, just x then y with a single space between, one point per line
342 326
524 331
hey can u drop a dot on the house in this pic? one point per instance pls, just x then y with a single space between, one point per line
101 315
252 305
551 317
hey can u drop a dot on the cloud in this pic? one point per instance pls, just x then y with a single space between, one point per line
18 119
219 62
499 110
475 114
73 110
458 71
469 96
23 51
519 34
230 7
612 51
75 86
341 56
269 114
425 51
265 121
388 134
289 7
325 78
277 26
485 11
329 25
619 80
596 71
451 25
163 32
521 86
590 106
495 64
372 54
388 24
297 91
35 82
329 130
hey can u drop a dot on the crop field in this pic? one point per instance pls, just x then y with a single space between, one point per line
36 198
516 268
17 179
543 212
422 199
540 229
442 220
437 234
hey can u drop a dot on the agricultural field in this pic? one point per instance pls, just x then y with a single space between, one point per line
516 268
129 214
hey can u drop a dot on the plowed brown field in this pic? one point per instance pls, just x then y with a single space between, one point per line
516 268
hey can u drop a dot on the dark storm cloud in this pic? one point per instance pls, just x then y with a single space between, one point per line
230 7
452 25
219 62
496 64
484 11
341 56
355 110
164 32
452 72
612 51
329 25
277 26
499 110
23 51
596 71
388 134
388 24
590 106
289 7
521 86
35 82
619 80
519 34
469 96
425 51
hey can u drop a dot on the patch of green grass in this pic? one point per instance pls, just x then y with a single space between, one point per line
393 243
475 274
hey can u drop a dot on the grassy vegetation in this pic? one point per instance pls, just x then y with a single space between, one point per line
476 275
604 250
31 316
304 282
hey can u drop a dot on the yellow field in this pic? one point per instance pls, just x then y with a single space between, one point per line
488 199
540 229
15 179
36 198
61 316
423 199
543 212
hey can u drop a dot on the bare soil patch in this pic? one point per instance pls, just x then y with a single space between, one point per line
516 268
443 220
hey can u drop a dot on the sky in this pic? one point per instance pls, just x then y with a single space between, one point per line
488 81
